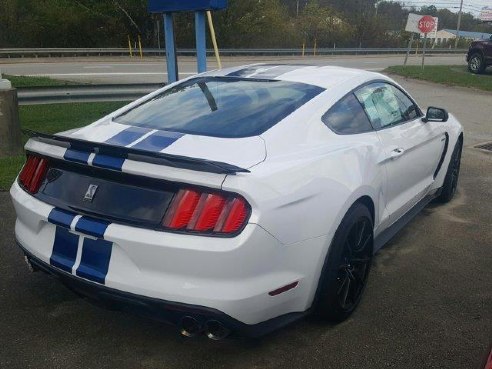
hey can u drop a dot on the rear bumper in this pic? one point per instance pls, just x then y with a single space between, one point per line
156 309
231 277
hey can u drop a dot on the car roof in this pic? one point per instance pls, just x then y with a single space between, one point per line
327 77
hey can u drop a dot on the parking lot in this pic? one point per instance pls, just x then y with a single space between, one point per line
428 303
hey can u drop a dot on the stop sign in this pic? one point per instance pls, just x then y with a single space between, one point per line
426 24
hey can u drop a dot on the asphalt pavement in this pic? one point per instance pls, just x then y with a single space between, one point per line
153 69
428 303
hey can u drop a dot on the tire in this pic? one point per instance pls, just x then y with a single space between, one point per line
347 266
450 184
476 63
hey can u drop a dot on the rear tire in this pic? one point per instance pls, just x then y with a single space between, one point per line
476 63
450 184
347 266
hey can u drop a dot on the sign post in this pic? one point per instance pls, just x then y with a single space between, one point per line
167 8
171 58
417 23
426 25
409 48
423 50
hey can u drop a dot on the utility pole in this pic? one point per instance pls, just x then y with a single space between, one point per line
458 27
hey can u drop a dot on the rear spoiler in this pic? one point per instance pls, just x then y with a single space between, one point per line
176 161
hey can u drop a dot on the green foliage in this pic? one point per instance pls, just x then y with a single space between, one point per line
323 25
9 168
245 23
52 118
451 75
255 24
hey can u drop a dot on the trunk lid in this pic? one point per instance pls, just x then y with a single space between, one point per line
136 187
242 152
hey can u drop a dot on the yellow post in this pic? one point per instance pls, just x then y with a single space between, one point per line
140 46
214 39
314 49
303 48
130 46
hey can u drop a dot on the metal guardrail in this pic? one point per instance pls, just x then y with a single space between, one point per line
74 52
84 93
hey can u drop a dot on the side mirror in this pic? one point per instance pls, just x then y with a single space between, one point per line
435 115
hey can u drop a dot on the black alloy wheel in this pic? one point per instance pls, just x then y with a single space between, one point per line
354 265
450 184
476 64
455 172
347 266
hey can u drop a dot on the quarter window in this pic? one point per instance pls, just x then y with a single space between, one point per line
347 117
386 105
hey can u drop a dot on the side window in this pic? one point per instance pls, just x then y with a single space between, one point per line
347 117
409 110
386 105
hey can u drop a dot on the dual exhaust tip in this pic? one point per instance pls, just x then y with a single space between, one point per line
213 329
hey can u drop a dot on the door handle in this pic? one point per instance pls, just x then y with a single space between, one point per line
396 153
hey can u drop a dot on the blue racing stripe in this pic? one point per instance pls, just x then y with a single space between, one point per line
109 162
94 262
128 136
91 226
158 141
77 156
268 71
64 249
61 217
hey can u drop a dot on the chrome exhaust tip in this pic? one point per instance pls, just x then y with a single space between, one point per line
189 327
215 330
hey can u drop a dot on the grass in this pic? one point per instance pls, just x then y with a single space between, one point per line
25 81
52 118
451 75
9 168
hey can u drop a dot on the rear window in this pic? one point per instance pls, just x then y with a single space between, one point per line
221 106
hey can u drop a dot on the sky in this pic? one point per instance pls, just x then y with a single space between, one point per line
470 6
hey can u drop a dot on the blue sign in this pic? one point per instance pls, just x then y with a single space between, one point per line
167 6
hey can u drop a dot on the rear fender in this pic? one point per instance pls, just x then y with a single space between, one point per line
304 195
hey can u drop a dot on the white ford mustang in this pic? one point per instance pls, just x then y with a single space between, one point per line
235 200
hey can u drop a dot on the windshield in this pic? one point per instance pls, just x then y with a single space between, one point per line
221 106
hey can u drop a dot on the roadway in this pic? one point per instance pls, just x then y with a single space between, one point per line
428 303
153 69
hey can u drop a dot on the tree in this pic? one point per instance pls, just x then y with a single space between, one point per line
322 25
254 23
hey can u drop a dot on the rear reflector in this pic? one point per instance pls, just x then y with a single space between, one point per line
33 173
205 212
283 289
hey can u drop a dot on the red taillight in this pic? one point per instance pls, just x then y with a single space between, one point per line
236 216
192 210
205 216
33 173
182 208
